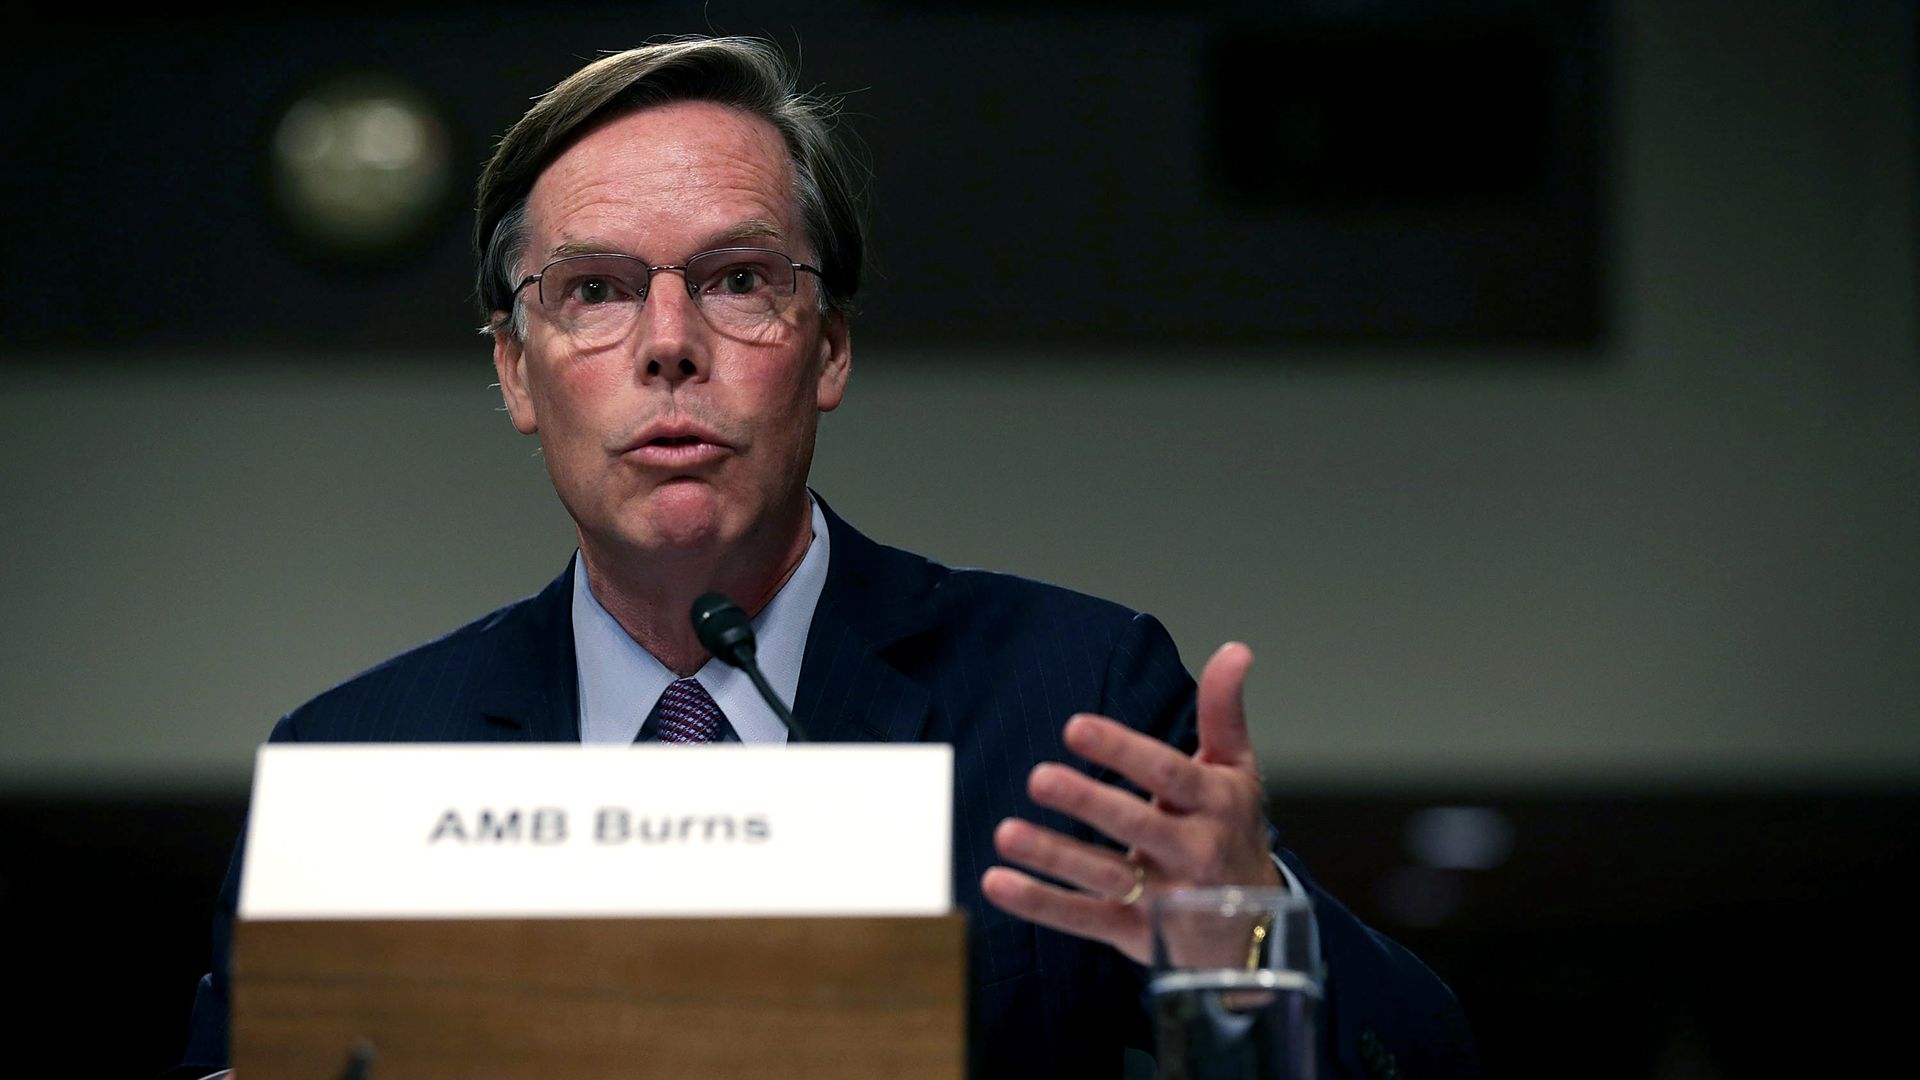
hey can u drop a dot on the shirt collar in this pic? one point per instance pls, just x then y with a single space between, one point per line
620 681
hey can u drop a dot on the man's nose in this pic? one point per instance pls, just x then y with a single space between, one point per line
674 338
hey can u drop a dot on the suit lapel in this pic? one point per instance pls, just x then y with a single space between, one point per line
852 684
529 688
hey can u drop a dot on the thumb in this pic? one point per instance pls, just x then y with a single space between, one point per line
1223 714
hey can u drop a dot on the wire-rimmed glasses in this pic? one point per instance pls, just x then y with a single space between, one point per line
595 299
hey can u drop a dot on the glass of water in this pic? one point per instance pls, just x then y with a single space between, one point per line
1236 985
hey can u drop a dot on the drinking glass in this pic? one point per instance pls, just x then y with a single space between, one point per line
1235 988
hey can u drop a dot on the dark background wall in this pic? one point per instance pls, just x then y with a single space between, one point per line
1236 174
1555 447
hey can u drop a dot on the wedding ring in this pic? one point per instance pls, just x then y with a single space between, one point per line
1139 886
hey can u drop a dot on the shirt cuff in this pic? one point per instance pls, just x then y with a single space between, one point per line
1318 959
1286 875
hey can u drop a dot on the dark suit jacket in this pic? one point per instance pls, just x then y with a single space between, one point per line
902 649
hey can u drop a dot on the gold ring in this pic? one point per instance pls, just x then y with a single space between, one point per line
1139 886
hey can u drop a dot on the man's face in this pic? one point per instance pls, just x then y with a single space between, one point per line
680 437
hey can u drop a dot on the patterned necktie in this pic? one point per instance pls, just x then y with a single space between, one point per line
688 714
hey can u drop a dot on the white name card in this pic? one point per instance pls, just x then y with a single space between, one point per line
485 831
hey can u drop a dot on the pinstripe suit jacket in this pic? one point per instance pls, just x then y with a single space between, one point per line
902 649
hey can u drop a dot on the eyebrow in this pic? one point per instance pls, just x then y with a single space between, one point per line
756 229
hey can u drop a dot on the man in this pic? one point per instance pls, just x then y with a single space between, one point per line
670 250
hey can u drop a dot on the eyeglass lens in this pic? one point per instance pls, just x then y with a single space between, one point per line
599 296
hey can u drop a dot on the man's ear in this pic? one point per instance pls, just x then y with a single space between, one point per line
510 364
836 361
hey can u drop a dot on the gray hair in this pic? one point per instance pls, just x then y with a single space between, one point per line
748 74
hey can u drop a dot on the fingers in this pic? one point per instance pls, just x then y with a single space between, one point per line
1222 709
1202 824
1116 813
1024 897
1179 782
1169 775
1099 871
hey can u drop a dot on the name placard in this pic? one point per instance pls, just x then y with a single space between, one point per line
468 831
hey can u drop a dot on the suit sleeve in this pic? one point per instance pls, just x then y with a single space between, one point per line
207 1031
1385 1012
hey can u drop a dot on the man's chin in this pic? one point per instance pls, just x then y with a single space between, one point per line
681 523
678 536
681 518
683 541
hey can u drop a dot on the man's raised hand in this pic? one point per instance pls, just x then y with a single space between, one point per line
1201 823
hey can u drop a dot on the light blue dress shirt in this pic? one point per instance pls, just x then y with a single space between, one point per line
619 682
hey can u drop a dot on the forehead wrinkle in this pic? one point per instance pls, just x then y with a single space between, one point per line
752 229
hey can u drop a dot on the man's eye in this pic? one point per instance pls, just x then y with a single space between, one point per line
740 280
594 291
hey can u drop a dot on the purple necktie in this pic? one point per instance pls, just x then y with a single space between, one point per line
687 714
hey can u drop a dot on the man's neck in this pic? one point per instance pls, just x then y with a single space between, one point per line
651 597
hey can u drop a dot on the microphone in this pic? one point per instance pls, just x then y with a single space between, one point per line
724 631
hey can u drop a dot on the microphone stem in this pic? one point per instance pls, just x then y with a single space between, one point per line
752 668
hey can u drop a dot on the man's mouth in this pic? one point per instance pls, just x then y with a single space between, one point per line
676 452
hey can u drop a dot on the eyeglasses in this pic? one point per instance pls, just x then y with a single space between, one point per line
596 299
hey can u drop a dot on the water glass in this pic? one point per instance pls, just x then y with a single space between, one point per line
1235 988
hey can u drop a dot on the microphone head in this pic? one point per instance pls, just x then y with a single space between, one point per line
723 628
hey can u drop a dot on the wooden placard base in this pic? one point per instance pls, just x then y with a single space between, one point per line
687 999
